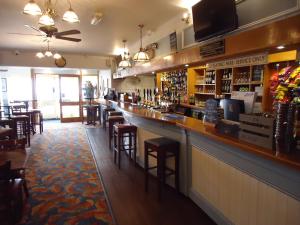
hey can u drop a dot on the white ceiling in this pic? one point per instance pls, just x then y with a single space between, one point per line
120 21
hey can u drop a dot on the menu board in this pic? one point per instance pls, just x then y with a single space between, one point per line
211 114
173 42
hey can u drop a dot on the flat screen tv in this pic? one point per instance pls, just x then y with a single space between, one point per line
214 17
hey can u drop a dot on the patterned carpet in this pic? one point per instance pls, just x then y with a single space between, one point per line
63 181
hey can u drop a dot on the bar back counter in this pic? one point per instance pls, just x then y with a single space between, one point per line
234 182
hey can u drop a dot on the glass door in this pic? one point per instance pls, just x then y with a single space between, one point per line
47 93
70 98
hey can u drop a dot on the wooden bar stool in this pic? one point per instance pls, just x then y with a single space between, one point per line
105 115
37 119
112 120
162 148
121 132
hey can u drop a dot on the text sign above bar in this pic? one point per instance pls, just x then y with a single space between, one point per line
239 62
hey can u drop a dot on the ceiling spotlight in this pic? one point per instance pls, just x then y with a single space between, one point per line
70 15
97 18
32 8
280 47
186 65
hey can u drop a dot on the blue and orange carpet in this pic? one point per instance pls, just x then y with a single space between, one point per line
63 181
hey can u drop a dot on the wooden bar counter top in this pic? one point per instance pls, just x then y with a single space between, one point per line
195 125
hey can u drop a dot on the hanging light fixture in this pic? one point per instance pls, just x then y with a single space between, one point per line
125 63
40 55
32 8
48 53
57 56
141 56
46 19
70 15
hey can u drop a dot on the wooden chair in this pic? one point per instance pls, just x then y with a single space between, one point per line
19 145
11 194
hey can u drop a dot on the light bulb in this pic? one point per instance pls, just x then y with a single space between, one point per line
46 20
56 56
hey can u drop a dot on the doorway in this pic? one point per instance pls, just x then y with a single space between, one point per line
47 95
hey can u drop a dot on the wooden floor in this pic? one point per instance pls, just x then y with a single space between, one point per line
125 190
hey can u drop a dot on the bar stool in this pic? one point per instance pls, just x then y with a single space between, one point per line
162 148
112 120
122 131
22 126
37 119
105 115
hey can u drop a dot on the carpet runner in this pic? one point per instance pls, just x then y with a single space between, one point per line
63 181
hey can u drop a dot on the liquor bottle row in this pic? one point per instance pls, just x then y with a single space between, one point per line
210 77
226 86
227 74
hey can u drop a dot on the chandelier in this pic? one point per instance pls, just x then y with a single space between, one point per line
47 15
142 55
125 63
48 53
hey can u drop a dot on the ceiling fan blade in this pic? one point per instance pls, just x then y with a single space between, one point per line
68 32
36 29
68 39
38 35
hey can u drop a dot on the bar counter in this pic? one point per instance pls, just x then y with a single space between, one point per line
221 174
191 124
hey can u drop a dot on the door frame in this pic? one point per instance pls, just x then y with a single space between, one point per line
77 103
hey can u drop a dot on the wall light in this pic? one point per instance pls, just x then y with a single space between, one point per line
186 17
280 47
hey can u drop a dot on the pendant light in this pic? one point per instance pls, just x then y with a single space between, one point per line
48 53
32 8
70 15
141 56
40 55
125 63
46 19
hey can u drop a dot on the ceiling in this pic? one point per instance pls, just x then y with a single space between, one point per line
120 21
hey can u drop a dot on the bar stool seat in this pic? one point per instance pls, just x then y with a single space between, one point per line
161 149
112 120
122 131
105 115
115 113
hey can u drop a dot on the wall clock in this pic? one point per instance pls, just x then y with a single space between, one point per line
61 62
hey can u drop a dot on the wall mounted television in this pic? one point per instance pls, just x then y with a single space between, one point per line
214 17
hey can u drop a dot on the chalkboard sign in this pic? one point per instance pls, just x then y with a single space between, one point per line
173 42
211 114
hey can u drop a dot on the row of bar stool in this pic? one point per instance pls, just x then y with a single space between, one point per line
124 137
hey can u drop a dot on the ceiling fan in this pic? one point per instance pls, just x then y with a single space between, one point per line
51 31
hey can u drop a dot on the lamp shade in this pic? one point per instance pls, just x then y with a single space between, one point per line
141 56
46 20
48 53
56 56
70 16
32 8
40 55
125 64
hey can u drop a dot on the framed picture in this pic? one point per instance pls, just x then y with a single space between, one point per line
4 84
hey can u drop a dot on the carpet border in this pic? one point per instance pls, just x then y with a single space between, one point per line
100 177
